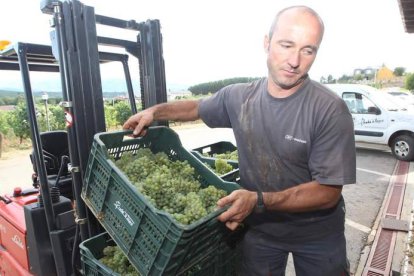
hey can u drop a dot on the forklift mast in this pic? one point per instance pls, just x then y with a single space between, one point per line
75 43
75 53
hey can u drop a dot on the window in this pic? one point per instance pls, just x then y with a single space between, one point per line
358 103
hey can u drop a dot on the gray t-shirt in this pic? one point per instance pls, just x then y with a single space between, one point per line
283 142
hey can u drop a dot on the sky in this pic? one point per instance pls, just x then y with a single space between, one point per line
211 40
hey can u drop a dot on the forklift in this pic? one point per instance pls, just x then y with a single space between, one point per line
41 228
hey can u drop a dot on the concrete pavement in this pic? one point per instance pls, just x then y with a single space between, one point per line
15 171
396 260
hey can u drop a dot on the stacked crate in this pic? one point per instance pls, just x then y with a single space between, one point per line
153 241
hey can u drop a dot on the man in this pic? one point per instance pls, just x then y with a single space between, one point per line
296 151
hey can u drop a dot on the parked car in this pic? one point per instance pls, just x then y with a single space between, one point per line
378 119
405 98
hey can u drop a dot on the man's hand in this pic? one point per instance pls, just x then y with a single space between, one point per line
175 111
242 204
139 122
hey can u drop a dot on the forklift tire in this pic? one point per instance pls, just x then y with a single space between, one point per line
402 148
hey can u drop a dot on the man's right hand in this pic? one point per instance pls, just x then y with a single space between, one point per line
139 122
176 111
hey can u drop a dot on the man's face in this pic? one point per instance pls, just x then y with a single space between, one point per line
292 48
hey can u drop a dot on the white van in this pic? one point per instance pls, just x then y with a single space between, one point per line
378 119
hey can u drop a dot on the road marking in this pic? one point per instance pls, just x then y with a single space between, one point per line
358 226
374 172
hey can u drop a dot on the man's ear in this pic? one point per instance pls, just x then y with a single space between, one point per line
266 44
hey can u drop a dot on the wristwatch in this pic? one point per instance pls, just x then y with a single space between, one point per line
260 207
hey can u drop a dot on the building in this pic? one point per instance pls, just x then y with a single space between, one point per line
7 107
364 74
176 95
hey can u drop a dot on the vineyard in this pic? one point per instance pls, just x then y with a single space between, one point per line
15 129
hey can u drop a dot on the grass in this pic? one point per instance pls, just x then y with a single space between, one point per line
12 145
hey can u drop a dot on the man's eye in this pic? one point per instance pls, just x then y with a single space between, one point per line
285 45
308 51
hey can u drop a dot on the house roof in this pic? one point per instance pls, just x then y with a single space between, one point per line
7 107
407 14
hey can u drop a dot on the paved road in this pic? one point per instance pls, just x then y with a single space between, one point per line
15 171
363 200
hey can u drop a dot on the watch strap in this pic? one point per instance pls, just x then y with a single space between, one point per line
260 207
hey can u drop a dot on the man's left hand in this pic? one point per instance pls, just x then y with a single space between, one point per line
242 204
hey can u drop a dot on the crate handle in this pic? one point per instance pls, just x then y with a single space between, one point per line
116 136
128 136
106 140
103 139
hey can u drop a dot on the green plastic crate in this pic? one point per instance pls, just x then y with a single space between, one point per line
152 240
91 250
219 147
223 261
233 175
215 148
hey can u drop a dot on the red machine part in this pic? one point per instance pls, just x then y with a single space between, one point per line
9 265
13 253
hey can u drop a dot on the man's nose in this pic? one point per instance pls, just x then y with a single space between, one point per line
294 60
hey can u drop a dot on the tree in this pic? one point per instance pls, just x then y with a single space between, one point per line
41 118
344 79
110 120
9 100
358 77
4 125
122 112
4 129
57 117
19 122
409 82
399 71
212 87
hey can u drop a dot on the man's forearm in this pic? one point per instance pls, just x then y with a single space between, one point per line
306 197
176 111
302 198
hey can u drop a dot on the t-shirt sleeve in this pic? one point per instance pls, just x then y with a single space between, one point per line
333 157
213 110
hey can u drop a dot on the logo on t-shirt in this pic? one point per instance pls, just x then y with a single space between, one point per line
294 139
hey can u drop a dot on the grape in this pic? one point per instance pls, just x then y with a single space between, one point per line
222 167
125 160
209 196
228 155
169 185
116 260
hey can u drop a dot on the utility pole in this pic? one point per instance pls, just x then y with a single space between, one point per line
45 97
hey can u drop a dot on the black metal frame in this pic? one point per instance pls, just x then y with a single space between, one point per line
74 53
77 46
